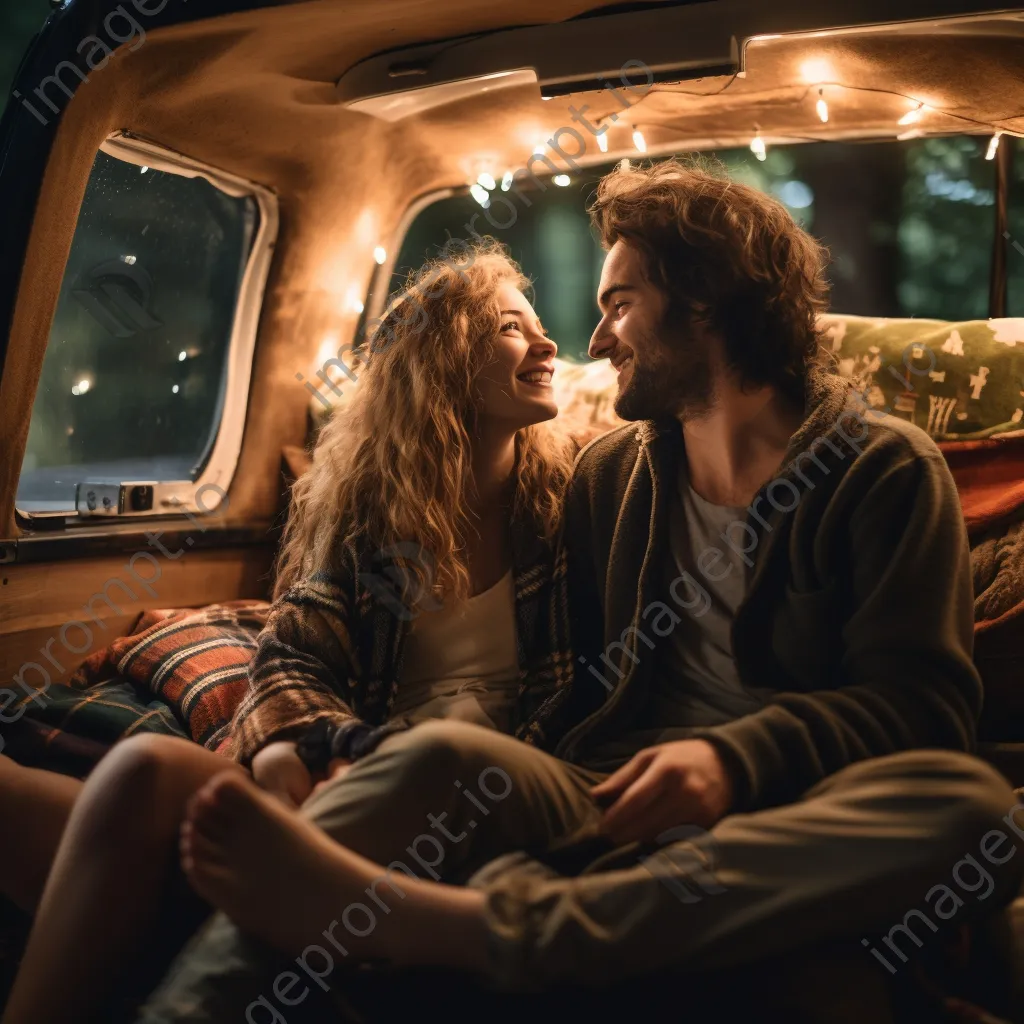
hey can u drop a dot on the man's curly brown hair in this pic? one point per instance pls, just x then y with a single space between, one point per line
727 255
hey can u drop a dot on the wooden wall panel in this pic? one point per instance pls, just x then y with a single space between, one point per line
60 606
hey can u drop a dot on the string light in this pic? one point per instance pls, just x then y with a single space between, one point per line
993 145
538 149
638 140
914 133
506 181
757 146
562 180
486 180
479 193
380 254
602 141
816 70
912 116
822 107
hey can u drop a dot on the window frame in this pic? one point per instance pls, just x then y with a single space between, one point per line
179 498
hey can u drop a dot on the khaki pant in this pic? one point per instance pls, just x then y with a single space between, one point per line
859 859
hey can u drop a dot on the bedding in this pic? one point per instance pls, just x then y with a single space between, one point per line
180 672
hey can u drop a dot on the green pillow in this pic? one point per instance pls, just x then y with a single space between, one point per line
957 381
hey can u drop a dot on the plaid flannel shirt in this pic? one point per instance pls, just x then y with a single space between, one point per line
332 649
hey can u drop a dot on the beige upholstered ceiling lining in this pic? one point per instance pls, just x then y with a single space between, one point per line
253 94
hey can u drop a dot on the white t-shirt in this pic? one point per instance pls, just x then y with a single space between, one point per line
461 661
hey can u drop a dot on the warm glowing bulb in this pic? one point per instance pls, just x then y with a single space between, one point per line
353 301
816 70
328 349
479 193
912 116
602 141
83 386
757 147
506 181
639 141
624 164
993 145
182 356
822 107
562 179
380 254
538 149
486 180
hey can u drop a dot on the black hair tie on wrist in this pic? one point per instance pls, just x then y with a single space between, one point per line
325 741
314 746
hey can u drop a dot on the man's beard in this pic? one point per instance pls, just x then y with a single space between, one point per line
675 381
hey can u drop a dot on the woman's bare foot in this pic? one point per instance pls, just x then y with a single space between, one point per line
274 873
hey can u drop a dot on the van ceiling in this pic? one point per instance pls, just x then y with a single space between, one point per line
254 94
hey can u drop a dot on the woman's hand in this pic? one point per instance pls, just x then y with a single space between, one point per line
279 770
337 767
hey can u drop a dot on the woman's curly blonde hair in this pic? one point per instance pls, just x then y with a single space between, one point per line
726 254
395 463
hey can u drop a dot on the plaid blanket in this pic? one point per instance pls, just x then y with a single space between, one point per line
180 672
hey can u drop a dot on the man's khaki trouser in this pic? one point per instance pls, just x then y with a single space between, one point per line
857 859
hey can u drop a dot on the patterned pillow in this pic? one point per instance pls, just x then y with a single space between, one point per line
195 662
956 381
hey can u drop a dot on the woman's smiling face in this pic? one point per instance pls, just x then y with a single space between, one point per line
515 386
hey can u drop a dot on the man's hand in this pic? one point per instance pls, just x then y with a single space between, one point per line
281 772
679 783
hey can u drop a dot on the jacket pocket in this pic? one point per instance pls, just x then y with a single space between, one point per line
807 636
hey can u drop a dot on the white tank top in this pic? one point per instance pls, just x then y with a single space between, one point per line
461 661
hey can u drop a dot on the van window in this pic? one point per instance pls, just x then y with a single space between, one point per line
909 224
135 377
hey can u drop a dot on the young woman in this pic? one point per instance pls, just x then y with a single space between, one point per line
421 576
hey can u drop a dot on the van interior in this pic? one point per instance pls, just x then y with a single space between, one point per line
206 210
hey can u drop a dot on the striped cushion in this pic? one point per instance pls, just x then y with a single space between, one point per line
195 661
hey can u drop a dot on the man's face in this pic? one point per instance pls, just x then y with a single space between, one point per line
664 367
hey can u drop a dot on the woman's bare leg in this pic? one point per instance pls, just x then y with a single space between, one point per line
111 872
34 808
278 876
